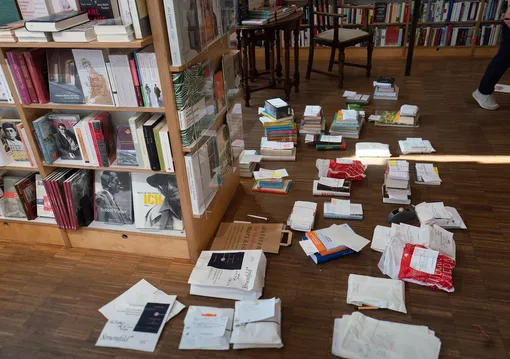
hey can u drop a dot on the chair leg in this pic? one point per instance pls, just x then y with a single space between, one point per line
331 59
370 49
310 60
341 61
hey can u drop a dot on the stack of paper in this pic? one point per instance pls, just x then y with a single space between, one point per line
257 324
350 126
277 151
380 238
247 163
136 318
330 187
302 217
237 275
415 145
376 292
207 328
342 209
428 174
328 142
437 213
372 149
357 336
397 188
313 121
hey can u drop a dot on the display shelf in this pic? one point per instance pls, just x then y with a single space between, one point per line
7 104
39 231
135 44
19 165
430 23
491 22
218 121
59 106
60 163
131 228
388 24
38 220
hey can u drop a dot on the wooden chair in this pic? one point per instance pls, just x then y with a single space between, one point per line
326 28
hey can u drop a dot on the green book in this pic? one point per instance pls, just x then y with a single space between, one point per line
9 12
158 143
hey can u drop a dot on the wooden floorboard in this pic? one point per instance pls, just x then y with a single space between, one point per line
49 296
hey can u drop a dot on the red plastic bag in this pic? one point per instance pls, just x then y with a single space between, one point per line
354 171
441 279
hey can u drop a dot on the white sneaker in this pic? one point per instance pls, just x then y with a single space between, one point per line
485 101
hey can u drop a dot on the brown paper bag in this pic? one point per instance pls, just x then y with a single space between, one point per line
244 236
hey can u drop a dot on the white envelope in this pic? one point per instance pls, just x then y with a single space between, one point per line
377 292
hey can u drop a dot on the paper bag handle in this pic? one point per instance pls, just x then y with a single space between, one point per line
286 238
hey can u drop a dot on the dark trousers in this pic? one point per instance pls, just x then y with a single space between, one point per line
499 64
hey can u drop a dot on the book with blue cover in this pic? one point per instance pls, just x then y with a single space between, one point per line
318 259
47 142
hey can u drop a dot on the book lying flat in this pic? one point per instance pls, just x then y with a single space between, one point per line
284 190
318 258
356 212
323 190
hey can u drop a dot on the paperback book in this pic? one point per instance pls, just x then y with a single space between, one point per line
64 81
113 197
62 128
11 140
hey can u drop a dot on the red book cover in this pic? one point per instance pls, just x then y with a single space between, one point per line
53 201
18 78
136 81
26 77
27 194
435 38
94 139
392 35
59 188
38 69
70 207
406 12
449 36
108 137
56 200
391 14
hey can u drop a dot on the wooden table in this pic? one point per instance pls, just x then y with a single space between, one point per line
246 43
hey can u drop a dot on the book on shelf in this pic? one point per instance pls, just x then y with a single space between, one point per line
80 33
115 37
447 11
31 9
164 138
5 91
112 27
444 36
7 30
11 140
101 129
113 197
44 208
45 139
23 35
12 205
156 202
121 73
140 18
126 152
64 82
21 76
79 195
150 83
150 141
489 35
135 123
38 69
9 12
100 9
26 190
56 22
26 143
224 151
62 128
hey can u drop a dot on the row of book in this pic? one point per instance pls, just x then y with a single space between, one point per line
389 13
489 35
87 76
444 36
143 141
389 36
446 11
262 15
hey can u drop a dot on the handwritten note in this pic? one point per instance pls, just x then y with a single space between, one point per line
424 260
208 326
254 310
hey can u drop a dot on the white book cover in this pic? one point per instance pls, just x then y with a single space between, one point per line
93 75
5 92
164 139
149 81
32 9
119 60
43 201
125 12
56 6
134 123
156 202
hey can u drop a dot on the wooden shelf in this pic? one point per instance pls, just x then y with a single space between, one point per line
491 22
38 220
388 24
19 166
136 44
447 23
59 106
60 163
6 104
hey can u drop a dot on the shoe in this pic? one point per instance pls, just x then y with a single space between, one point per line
485 101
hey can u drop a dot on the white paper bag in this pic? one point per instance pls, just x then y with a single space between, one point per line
199 334
377 292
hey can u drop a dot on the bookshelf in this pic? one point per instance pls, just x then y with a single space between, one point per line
198 230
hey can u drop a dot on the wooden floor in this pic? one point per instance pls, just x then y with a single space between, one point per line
49 296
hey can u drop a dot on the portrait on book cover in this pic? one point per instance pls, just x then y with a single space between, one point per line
93 76
166 210
11 139
67 142
113 197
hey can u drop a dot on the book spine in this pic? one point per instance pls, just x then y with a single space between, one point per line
125 12
18 78
172 23
124 83
65 215
101 146
151 148
167 151
46 154
56 203
41 89
70 208
136 143
159 150
79 135
136 81
188 159
26 78
49 194
23 200
3 81
92 127
113 85
135 16
26 144
89 144
143 147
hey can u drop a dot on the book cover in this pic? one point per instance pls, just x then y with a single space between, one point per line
31 9
43 200
156 202
164 139
136 81
150 141
183 30
120 65
100 9
11 140
219 90
26 76
157 140
93 75
12 203
25 188
9 12
26 144
5 91
45 138
68 199
210 100
136 122
38 69
59 193
113 197
104 142
51 196
126 153
208 21
149 77
18 78
140 17
62 128
64 82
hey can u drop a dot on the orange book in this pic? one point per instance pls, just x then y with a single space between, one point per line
320 246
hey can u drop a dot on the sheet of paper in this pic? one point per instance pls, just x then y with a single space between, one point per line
341 236
206 326
356 208
438 210
442 240
381 238
427 173
349 94
308 247
309 138
304 213
254 310
374 118
270 174
250 158
424 260
399 164
502 88
415 142
312 111
398 174
333 139
331 182
341 206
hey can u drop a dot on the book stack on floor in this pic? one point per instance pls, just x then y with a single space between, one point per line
313 121
329 142
397 188
114 30
343 209
347 123
277 151
385 89
415 145
269 181
278 121
331 187
408 116
437 213
248 162
427 174
302 217
15 148
358 99
19 196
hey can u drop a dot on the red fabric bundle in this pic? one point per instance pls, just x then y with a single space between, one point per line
354 171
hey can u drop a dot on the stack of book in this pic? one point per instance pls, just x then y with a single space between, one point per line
385 89
277 151
302 216
397 188
348 123
313 121
415 145
358 99
7 32
343 209
427 173
328 142
263 15
436 213
247 162
278 121
272 185
331 187
114 30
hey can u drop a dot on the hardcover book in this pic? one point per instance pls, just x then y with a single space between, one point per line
11 140
45 138
208 21
113 197
62 128
149 77
64 82
126 153
31 9
156 202
12 203
150 140
56 22
100 9
43 200
38 69
102 129
25 188
140 17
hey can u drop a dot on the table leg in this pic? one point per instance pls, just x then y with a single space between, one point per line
286 34
278 54
296 58
238 33
271 59
246 80
253 66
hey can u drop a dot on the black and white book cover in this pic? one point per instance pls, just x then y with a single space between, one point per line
62 128
82 191
156 202
114 201
64 82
